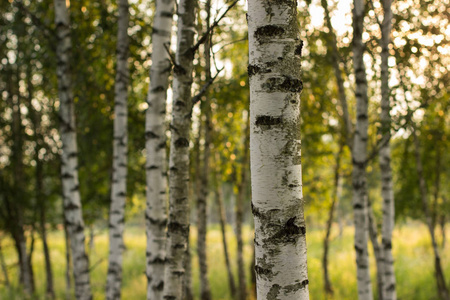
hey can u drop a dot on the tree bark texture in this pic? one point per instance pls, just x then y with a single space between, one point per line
359 157
178 225
242 191
336 195
223 222
155 143
387 190
69 169
120 158
277 205
202 201
378 252
438 271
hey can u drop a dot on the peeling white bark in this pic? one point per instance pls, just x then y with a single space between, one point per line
155 137
359 157
120 159
69 160
387 191
275 86
178 225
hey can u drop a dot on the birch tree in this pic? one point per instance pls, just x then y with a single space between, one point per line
359 157
120 158
387 191
178 225
69 160
275 86
202 201
155 143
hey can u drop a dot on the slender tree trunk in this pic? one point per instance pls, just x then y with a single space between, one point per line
4 268
30 261
378 252
223 222
332 43
387 191
69 170
155 143
326 277
178 225
15 209
120 159
68 263
187 284
202 201
39 189
442 222
242 191
439 273
277 206
359 157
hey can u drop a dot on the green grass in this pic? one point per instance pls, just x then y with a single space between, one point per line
412 252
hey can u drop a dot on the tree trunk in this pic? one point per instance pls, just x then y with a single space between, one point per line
378 252
202 201
326 278
277 206
387 191
438 271
39 189
242 191
332 43
68 264
14 207
187 284
120 159
223 222
155 144
178 225
30 261
4 268
359 157
69 169
442 222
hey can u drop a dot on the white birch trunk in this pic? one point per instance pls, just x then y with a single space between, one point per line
359 157
120 159
275 86
178 225
155 143
69 160
202 201
387 191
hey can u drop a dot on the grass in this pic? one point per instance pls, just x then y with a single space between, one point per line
412 252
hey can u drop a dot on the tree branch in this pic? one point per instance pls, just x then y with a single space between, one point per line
205 87
208 32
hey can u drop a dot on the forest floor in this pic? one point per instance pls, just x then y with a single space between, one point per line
412 253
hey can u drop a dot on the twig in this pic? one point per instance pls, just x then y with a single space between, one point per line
205 87
96 264
207 33
172 59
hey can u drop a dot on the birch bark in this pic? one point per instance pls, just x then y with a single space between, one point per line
155 143
178 225
387 191
120 159
69 168
202 201
359 157
277 206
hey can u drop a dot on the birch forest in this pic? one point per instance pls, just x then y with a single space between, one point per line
225 149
